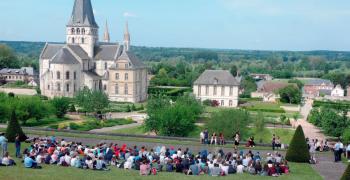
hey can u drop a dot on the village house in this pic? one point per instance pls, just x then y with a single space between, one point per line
338 91
268 90
217 85
25 74
317 87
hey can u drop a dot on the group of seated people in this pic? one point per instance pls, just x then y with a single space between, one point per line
102 156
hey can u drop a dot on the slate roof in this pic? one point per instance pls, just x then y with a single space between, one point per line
22 71
79 51
82 14
219 77
317 82
92 74
64 56
50 50
271 86
107 52
131 57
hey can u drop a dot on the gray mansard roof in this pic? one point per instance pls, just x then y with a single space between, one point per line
64 56
107 52
82 14
79 51
50 50
216 77
131 57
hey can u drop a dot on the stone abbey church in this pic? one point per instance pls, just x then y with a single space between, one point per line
83 61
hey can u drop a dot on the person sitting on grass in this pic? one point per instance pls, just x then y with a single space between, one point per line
30 163
7 160
100 164
145 168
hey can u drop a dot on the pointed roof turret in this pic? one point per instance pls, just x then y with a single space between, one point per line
126 37
82 14
106 36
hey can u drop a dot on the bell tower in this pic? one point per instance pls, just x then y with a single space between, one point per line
82 28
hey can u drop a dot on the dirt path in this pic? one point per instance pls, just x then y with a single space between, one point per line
139 118
310 131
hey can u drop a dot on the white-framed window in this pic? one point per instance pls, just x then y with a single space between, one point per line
230 103
215 90
231 91
58 75
206 90
199 90
67 87
67 75
222 103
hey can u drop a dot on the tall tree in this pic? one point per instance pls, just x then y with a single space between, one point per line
92 101
14 129
8 58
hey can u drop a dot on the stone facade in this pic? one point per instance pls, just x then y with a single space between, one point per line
217 85
85 62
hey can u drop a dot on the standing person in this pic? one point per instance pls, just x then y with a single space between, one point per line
221 139
341 150
18 146
273 142
206 136
348 152
236 139
3 143
201 137
336 151
214 139
312 151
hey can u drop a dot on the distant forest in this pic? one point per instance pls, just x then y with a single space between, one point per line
182 66
157 54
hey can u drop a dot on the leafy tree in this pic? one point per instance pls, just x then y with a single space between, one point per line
346 136
227 121
128 108
207 102
259 124
8 57
249 86
346 175
31 107
234 70
92 101
298 150
61 106
133 107
14 129
298 82
283 119
332 123
172 119
72 108
290 94
295 117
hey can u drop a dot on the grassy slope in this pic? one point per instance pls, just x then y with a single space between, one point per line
53 172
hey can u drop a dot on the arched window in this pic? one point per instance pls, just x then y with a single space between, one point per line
116 89
72 31
67 87
67 75
78 31
82 40
75 75
58 87
73 40
83 31
58 75
126 89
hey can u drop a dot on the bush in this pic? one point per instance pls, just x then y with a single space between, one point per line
298 150
128 109
14 129
228 121
133 107
61 106
346 136
72 108
207 102
346 175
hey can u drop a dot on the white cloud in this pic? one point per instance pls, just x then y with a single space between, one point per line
129 14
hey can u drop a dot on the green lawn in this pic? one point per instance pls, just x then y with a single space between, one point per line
139 130
45 122
53 172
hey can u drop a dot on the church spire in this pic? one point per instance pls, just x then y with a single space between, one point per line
126 37
83 14
106 36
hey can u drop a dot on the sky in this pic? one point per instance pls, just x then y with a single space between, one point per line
223 24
